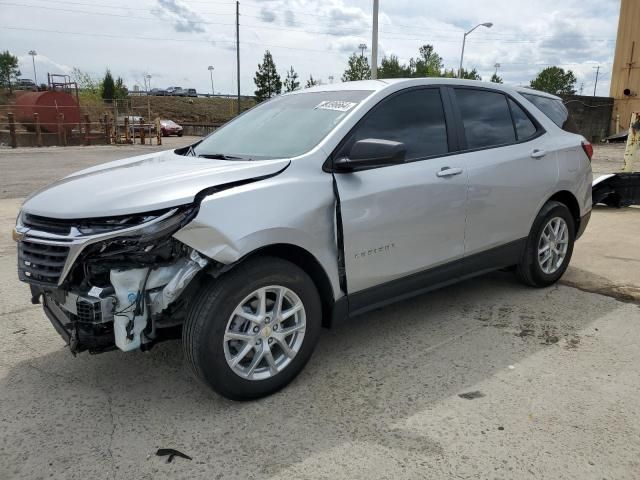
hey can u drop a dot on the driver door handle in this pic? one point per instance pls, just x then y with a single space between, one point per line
537 153
448 172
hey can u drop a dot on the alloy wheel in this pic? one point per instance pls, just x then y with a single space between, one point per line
264 333
553 245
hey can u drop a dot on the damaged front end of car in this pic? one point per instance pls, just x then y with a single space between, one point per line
111 282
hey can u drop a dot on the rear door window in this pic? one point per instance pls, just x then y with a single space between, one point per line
415 118
525 128
485 117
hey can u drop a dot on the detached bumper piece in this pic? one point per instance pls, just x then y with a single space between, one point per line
617 190
84 323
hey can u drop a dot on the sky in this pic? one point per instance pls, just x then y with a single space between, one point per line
175 41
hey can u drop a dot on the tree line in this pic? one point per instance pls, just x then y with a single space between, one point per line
427 63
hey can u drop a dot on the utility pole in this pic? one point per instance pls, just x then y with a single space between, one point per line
596 85
497 66
374 42
238 49
362 47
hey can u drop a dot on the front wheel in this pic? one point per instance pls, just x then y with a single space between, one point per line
549 246
252 330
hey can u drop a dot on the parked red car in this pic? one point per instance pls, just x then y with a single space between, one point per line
169 127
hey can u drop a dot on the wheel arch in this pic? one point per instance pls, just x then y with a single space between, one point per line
310 264
571 202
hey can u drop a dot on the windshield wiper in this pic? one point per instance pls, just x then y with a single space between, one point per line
220 156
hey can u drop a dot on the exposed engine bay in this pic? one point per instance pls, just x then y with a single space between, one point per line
110 282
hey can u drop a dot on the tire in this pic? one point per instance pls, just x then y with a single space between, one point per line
213 317
180 134
531 270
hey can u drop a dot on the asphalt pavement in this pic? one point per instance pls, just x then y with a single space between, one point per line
485 379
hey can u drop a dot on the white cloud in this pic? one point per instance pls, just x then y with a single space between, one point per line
315 37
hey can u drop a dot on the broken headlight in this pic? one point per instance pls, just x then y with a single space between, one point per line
146 237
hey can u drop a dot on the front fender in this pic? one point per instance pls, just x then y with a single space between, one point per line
234 223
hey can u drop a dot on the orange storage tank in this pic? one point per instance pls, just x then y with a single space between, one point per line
47 105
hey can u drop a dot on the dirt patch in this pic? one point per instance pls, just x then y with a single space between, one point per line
592 283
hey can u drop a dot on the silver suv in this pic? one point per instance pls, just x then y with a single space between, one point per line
308 209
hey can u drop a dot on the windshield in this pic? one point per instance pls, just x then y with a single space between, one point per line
285 126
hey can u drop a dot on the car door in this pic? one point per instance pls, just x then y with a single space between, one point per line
403 219
511 164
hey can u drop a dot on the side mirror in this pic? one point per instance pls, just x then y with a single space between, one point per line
372 153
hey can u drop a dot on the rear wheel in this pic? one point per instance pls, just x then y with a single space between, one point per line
549 246
251 331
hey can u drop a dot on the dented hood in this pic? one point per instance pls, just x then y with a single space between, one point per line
141 184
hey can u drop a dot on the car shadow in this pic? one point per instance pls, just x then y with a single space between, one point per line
110 412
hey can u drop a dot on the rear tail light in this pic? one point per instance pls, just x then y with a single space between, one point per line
588 148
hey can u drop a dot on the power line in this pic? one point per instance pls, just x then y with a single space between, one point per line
393 36
190 40
503 37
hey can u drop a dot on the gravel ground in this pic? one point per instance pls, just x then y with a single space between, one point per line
485 379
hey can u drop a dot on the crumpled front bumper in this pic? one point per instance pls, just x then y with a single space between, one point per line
82 330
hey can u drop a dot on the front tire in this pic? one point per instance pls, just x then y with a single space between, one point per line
252 330
549 246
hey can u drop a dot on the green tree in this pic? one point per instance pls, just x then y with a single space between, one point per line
89 89
556 81
267 80
390 67
495 78
312 82
8 69
291 83
357 68
108 88
428 63
85 81
471 74
120 90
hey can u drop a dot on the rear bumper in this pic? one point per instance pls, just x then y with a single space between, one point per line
584 221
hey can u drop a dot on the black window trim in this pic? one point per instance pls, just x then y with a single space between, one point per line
462 140
450 126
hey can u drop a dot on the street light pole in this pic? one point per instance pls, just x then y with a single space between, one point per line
464 41
210 68
33 54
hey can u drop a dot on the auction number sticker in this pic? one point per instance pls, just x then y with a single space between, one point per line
337 105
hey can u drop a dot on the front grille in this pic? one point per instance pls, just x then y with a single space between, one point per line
41 263
49 225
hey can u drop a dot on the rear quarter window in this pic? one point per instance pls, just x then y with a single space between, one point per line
554 109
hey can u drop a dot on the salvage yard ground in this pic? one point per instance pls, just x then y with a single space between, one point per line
485 379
